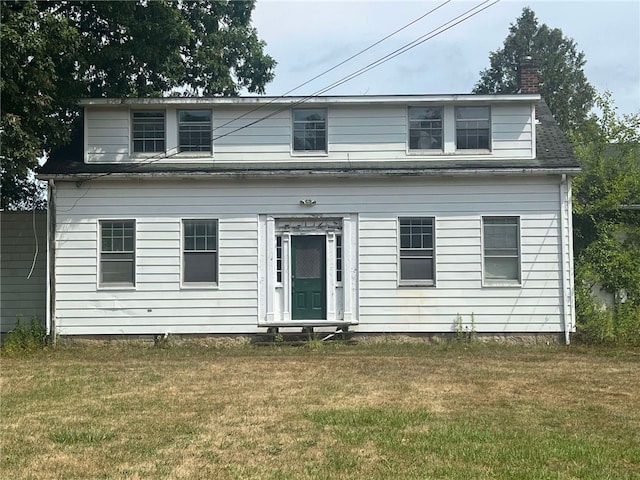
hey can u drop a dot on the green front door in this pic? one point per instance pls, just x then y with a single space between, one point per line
308 286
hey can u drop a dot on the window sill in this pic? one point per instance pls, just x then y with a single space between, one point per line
416 283
314 153
462 151
502 284
116 287
434 152
144 155
199 286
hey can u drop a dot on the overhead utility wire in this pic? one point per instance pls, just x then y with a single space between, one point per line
334 67
420 40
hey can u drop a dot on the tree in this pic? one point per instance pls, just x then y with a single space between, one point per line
53 53
606 222
563 83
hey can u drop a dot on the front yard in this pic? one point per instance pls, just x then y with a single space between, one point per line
369 411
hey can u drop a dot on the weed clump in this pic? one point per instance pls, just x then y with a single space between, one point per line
25 338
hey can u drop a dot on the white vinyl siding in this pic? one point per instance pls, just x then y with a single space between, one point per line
160 305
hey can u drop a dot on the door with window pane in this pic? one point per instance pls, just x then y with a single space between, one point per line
308 286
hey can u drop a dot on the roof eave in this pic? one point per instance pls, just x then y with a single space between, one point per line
342 173
346 99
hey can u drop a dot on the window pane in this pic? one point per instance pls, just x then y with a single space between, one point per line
501 268
338 258
416 248
200 267
416 268
472 128
117 271
194 131
148 131
501 248
425 128
279 258
309 129
200 235
200 251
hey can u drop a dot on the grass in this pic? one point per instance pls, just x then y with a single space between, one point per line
374 411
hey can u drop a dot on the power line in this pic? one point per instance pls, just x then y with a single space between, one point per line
420 40
335 66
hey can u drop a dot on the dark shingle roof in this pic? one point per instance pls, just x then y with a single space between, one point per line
552 146
554 153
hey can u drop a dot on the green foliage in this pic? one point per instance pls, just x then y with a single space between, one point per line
25 339
563 83
607 225
52 53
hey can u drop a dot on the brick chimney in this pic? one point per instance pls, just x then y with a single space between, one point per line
528 81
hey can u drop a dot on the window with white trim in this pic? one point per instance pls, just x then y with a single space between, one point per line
279 258
117 253
194 131
501 249
473 128
148 131
338 257
417 250
425 128
200 252
310 130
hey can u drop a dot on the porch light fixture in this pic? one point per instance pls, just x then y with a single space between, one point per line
308 202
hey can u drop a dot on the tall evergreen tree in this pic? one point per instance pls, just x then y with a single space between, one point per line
53 53
563 83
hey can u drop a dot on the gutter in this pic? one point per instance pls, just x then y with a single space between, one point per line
339 173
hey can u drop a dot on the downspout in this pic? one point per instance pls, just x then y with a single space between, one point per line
51 263
565 263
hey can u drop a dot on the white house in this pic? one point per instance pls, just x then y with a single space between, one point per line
381 213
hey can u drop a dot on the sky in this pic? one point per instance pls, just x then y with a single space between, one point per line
307 37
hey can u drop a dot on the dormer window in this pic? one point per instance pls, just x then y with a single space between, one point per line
148 131
310 130
473 128
425 128
194 131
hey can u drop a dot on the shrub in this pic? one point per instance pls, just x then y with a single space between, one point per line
24 339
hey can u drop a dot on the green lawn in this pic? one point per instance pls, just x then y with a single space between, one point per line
369 411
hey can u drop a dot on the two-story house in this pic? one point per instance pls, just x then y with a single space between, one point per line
382 213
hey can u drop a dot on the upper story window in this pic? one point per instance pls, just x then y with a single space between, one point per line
148 131
310 130
194 131
473 128
425 128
